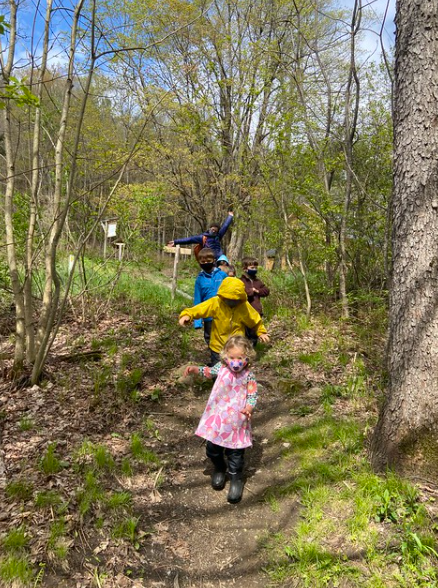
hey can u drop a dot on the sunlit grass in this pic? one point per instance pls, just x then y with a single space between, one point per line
343 507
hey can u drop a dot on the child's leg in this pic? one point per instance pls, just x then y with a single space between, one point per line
216 454
215 357
251 335
207 332
235 471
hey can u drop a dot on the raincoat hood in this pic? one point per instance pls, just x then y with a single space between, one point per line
233 289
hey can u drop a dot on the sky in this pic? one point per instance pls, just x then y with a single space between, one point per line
376 10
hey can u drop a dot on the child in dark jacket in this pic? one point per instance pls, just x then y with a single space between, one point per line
255 289
206 286
211 239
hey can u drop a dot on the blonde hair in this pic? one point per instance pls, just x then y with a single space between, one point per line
242 343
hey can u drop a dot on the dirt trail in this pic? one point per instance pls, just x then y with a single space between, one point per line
189 536
210 542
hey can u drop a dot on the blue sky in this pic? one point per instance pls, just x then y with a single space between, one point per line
376 10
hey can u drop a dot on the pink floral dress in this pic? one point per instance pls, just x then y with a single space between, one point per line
222 422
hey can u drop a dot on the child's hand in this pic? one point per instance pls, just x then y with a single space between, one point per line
247 411
254 291
184 320
191 369
264 338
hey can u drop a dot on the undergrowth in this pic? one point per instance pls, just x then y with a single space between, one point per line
356 528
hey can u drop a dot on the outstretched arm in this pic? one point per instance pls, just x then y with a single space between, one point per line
205 371
224 228
188 240
203 310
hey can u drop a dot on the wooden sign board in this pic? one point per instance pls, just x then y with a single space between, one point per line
182 250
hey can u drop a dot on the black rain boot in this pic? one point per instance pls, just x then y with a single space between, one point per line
216 454
218 479
236 489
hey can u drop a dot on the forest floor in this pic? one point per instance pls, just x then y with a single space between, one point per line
105 484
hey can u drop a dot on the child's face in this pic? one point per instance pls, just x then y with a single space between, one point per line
252 267
236 359
232 303
207 261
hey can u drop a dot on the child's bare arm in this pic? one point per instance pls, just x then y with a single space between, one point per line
191 369
204 371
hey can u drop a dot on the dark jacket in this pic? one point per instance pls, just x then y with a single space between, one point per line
212 242
254 299
206 286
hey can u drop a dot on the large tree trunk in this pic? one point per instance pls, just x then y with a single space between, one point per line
406 436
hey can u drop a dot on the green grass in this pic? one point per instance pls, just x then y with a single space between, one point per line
356 528
118 500
50 499
16 540
96 455
90 495
315 359
140 453
126 529
19 490
16 569
50 463
126 467
103 459
26 424
57 530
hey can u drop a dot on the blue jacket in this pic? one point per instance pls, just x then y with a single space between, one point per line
206 286
212 242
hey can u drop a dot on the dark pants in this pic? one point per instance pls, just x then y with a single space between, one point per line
207 331
215 357
251 335
235 458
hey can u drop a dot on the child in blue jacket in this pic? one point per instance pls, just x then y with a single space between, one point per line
206 286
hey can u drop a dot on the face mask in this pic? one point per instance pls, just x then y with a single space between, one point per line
213 232
251 273
207 267
232 303
237 365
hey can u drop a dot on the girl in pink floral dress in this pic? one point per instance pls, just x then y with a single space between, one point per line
226 422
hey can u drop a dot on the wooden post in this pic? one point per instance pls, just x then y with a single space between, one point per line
175 271
105 228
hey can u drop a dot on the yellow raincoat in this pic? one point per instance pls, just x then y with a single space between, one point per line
227 321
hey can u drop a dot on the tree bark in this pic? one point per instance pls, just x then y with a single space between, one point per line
20 329
406 434
35 185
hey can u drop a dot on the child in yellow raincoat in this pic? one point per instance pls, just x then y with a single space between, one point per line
231 313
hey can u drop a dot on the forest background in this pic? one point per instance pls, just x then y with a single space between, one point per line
163 117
